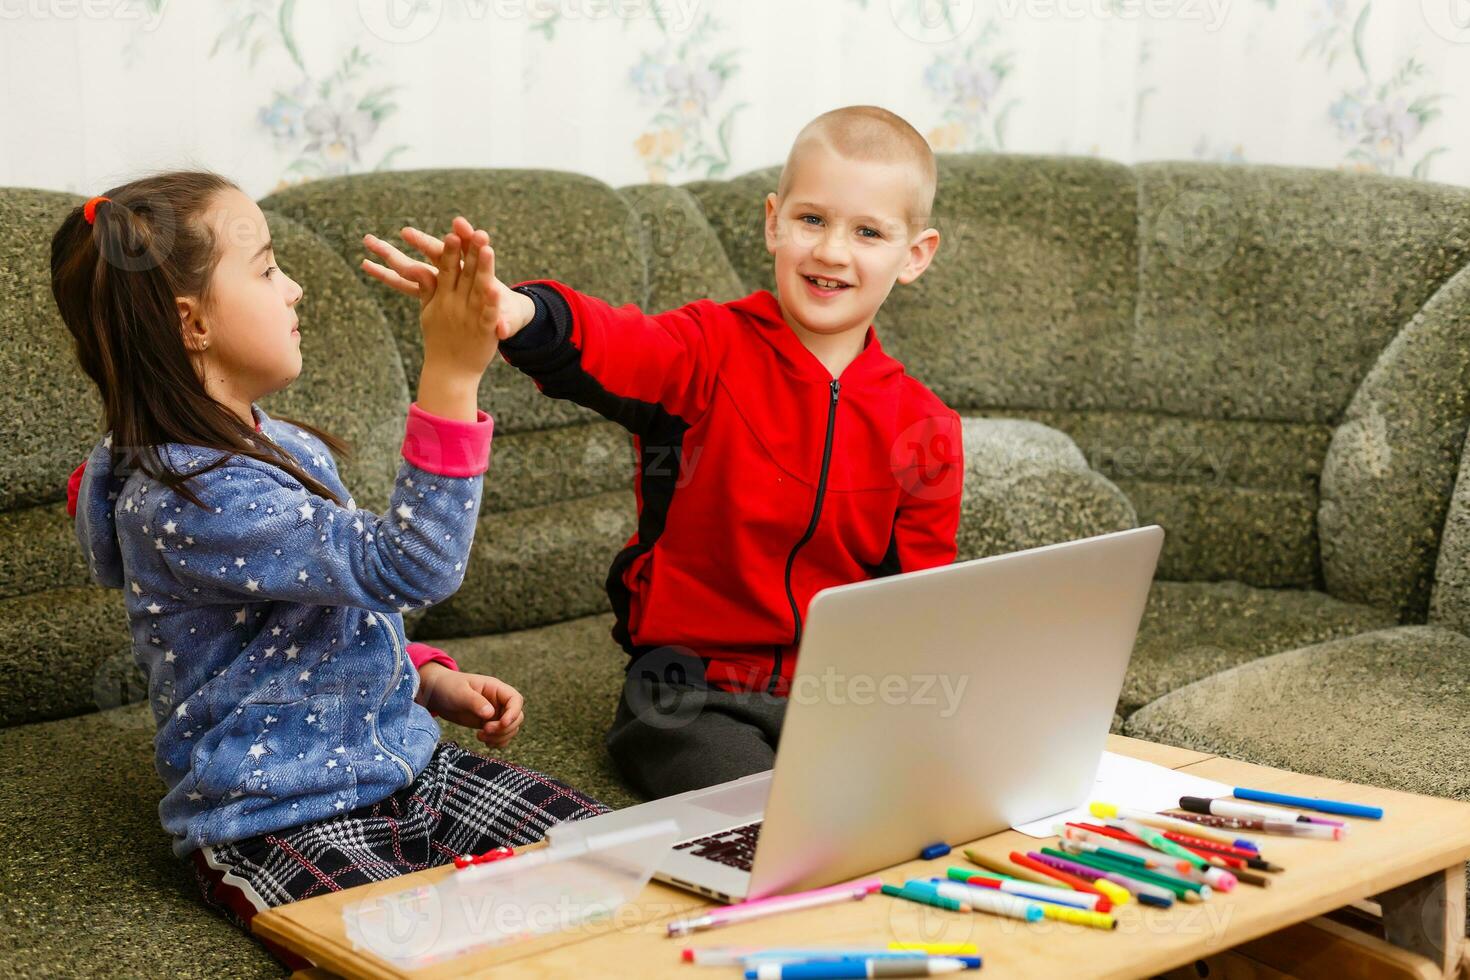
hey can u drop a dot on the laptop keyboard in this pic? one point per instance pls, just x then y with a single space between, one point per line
734 847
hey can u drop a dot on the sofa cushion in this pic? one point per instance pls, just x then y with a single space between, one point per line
1191 630
1387 476
1237 497
88 884
1389 708
1027 485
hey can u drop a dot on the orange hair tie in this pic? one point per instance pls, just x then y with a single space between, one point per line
89 210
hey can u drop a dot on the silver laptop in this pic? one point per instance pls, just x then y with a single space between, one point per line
940 705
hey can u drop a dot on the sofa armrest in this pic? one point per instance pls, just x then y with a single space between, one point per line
1028 485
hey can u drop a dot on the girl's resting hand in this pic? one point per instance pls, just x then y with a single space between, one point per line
487 704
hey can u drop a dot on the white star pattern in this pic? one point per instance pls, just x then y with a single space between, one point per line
170 528
292 651
169 657
183 710
137 589
257 750
307 511
405 511
302 575
240 616
252 584
239 562
155 608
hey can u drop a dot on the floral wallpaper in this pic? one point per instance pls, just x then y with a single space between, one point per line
275 92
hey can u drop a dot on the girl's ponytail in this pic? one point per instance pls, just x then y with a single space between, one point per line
118 264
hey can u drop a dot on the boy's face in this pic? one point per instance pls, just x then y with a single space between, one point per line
843 221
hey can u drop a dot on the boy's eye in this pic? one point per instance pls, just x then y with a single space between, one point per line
876 233
812 216
269 269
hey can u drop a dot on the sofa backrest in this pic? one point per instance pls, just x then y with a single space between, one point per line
64 642
1199 330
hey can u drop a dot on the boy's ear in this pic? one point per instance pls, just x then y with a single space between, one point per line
191 325
773 204
921 253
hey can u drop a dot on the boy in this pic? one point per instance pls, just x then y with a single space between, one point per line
781 451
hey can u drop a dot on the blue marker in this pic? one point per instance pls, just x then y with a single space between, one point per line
1309 803
934 851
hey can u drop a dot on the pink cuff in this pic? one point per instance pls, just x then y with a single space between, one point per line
421 653
446 446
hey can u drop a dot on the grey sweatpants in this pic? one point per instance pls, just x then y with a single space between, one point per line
673 732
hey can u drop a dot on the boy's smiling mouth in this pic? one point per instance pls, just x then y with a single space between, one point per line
823 286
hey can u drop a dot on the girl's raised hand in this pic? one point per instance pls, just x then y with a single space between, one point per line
460 318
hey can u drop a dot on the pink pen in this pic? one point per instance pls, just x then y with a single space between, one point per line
730 914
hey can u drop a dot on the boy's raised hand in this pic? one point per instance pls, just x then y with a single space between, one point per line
415 278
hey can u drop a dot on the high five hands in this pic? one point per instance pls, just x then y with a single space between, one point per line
464 252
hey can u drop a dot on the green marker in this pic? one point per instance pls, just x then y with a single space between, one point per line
924 899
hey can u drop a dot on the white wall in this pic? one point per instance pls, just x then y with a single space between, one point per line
271 92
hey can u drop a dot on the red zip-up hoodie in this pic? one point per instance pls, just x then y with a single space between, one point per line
761 479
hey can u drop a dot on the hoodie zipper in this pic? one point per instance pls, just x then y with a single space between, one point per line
811 527
392 683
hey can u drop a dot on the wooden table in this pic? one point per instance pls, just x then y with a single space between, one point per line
1412 863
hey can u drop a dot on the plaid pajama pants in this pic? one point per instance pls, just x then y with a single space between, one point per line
462 803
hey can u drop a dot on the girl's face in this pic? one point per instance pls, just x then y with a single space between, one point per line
245 336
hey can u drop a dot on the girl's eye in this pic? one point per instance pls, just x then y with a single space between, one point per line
812 216
268 270
875 232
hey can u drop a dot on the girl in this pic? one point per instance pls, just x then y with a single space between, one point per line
295 725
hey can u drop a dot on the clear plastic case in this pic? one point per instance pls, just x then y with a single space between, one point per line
580 876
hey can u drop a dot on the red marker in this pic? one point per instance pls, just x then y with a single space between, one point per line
496 854
1071 880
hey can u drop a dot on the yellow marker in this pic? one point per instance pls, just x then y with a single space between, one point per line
1082 917
936 949
1116 893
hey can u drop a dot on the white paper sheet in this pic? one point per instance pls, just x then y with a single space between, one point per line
1132 783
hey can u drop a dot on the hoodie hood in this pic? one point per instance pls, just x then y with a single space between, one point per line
97 489
92 495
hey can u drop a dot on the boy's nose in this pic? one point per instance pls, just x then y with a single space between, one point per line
830 249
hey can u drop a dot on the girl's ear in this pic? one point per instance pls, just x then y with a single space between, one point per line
195 334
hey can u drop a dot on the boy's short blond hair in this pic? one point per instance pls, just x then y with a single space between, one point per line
873 134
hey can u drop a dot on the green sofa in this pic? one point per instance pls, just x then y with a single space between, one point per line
1271 363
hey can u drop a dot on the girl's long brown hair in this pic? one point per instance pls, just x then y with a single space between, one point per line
116 282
